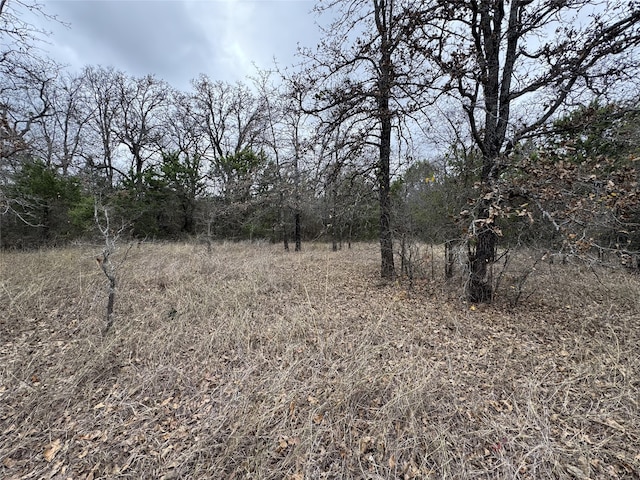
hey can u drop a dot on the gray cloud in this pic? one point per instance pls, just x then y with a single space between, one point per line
177 40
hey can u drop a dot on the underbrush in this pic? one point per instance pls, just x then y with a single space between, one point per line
249 362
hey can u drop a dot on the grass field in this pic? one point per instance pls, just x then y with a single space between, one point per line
251 363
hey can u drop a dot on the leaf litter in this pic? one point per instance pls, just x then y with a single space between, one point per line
306 366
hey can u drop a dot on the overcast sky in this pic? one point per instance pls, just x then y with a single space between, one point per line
178 39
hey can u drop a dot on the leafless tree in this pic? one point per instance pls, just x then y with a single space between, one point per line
60 139
363 71
501 58
184 141
24 79
101 99
233 118
141 102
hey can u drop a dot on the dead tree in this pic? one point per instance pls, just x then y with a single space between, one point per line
103 222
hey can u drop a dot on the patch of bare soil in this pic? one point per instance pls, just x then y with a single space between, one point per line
249 362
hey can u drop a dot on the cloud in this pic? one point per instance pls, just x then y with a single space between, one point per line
227 27
178 40
136 36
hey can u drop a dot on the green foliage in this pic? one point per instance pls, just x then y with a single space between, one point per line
40 182
162 202
81 214
51 207
149 206
238 173
429 200
593 131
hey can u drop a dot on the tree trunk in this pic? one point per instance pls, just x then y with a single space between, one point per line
482 253
384 114
188 224
297 233
386 239
285 238
448 259
384 184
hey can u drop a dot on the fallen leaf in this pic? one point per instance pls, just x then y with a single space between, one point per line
576 472
51 450
9 462
613 424
365 443
163 454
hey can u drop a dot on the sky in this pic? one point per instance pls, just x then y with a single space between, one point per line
176 40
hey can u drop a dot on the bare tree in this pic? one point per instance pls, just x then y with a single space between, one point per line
24 79
141 102
111 237
183 144
362 71
233 118
532 56
274 101
101 99
60 140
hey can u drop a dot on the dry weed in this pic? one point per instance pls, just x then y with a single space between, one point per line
249 362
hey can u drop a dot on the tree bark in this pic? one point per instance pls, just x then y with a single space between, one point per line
297 232
384 174
482 254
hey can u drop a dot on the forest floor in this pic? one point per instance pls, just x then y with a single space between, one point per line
250 362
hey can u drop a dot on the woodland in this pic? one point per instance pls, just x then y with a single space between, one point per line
414 254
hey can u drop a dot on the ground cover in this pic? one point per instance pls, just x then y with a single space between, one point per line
249 362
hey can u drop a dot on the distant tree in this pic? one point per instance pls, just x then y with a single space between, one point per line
138 123
183 177
343 165
363 72
59 136
232 117
353 212
184 148
235 122
55 206
275 183
295 146
24 78
101 99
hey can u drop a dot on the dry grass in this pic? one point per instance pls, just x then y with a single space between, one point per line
252 363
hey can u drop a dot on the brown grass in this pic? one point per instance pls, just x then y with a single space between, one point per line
252 363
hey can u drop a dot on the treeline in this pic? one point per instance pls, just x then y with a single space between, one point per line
229 162
224 160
